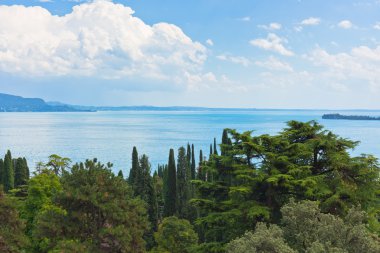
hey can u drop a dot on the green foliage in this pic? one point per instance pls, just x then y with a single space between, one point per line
264 240
8 176
95 208
307 229
175 236
183 184
256 175
12 237
171 188
41 190
1 171
21 172
120 174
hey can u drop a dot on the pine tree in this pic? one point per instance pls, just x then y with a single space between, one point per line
192 162
226 141
135 167
171 191
8 172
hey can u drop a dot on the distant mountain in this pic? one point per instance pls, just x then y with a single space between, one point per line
11 103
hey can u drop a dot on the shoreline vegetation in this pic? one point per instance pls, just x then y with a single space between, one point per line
296 191
338 116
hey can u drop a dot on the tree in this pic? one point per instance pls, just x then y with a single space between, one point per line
175 236
183 184
215 149
264 240
41 190
58 164
8 177
304 228
257 175
12 237
133 173
307 229
1 171
193 174
96 209
21 172
171 189
120 174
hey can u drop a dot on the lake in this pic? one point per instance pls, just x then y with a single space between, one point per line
110 136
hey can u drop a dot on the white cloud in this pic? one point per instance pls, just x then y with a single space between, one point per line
45 1
273 63
345 24
245 19
100 38
272 43
311 21
271 26
235 59
209 42
376 26
360 65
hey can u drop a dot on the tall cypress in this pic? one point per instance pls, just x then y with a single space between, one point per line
192 162
120 174
1 171
21 170
183 191
211 152
26 167
225 141
171 191
215 149
8 178
135 167
200 172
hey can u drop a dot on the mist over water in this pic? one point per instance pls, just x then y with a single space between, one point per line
110 136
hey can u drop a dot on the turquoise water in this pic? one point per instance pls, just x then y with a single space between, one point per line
110 136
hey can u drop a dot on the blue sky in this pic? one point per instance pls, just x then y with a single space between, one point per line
217 53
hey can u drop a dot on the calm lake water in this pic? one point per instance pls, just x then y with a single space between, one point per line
110 136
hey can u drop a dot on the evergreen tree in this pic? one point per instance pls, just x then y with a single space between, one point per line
211 152
8 172
183 187
135 168
215 149
1 171
193 174
226 142
120 174
171 190
21 172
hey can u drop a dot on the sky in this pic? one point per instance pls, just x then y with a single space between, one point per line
304 54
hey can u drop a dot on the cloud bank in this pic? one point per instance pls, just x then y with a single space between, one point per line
100 38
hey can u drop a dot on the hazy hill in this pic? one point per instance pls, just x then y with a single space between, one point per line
11 103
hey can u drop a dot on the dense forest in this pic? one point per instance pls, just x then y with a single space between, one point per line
297 191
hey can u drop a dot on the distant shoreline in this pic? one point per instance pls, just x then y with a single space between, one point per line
337 116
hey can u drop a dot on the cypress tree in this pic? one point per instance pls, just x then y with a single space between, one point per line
215 149
192 162
225 141
171 191
1 171
182 183
211 152
26 167
200 172
8 172
120 174
21 170
135 167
